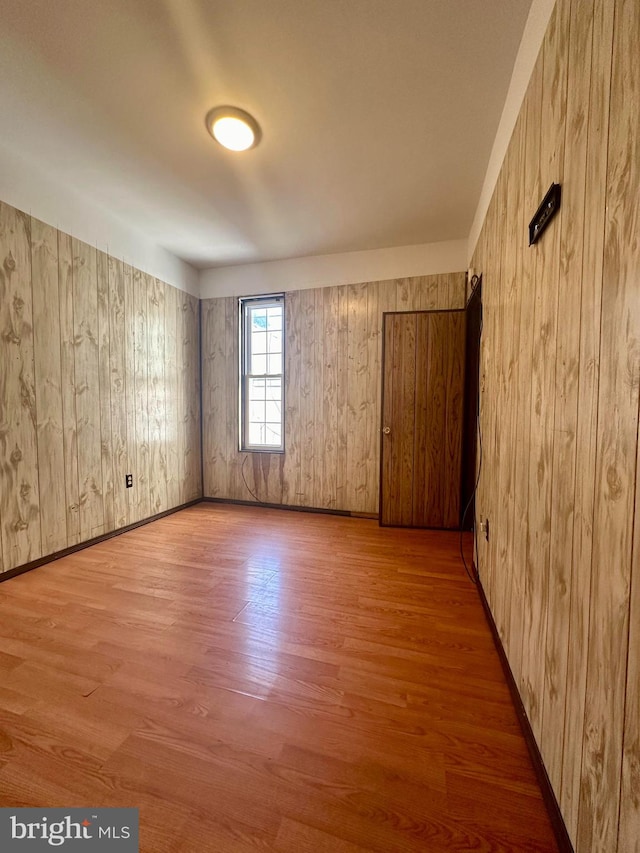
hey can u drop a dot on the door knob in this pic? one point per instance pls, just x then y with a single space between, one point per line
386 430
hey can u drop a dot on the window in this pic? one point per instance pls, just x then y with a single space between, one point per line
262 376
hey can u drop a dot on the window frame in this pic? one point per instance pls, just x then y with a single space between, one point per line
246 303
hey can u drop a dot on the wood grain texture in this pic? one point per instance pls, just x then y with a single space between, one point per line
48 386
629 831
117 378
171 395
105 386
532 185
332 394
68 387
561 585
437 426
75 358
601 14
519 354
543 397
310 351
129 386
622 261
454 332
257 698
508 200
328 416
359 397
429 423
157 396
617 439
19 492
188 384
570 254
85 300
399 416
141 396
556 379
214 397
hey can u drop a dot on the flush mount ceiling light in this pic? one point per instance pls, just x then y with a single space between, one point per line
233 128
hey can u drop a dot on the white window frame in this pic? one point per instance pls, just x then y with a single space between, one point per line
245 305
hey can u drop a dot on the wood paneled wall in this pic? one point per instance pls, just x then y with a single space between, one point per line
99 377
332 394
559 414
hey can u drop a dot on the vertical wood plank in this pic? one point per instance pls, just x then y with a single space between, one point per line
617 438
457 292
500 486
430 298
213 378
324 389
292 434
520 647
182 395
191 379
141 396
342 398
510 320
521 353
104 364
157 412
88 407
171 401
48 387
516 229
409 293
629 832
234 459
371 434
117 396
192 367
566 402
130 390
543 366
19 508
306 413
68 380
357 376
554 576
600 14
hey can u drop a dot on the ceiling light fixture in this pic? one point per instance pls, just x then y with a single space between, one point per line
233 128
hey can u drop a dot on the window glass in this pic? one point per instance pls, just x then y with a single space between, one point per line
262 404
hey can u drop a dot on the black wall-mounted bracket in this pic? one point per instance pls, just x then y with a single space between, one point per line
544 214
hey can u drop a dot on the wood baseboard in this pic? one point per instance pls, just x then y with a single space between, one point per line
291 507
548 795
57 555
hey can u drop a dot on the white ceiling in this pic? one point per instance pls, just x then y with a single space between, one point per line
378 116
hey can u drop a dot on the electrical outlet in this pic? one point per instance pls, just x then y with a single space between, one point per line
128 480
484 528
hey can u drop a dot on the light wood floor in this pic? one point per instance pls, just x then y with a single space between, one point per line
256 679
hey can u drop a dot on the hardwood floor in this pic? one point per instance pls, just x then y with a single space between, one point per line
257 679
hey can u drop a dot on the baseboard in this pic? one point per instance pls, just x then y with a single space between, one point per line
290 507
548 795
72 549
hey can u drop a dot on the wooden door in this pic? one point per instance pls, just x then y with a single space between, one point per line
422 416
